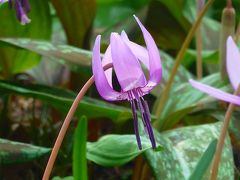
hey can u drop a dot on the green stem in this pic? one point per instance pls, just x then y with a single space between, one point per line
158 124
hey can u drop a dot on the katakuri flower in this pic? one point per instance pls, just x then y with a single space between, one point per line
127 57
233 70
22 7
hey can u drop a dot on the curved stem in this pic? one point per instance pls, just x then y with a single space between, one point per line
229 3
65 125
158 124
222 136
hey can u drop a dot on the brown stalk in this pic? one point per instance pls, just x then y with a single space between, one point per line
160 104
199 42
222 136
229 3
65 125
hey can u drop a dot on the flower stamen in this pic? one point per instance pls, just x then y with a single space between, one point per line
145 114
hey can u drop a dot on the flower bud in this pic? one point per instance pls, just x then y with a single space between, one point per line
227 29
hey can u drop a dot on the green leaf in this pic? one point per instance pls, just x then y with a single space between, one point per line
116 150
204 162
76 17
210 28
64 178
183 148
111 13
64 54
79 150
15 152
184 98
76 58
209 57
14 60
173 34
63 99
175 7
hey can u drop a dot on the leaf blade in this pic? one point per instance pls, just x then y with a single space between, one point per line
204 162
79 150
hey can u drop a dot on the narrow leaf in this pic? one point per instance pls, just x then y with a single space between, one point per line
62 100
79 150
204 162
183 149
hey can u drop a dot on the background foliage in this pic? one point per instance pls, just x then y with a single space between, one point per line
44 64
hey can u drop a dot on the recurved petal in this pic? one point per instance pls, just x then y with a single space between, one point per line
139 51
101 82
126 66
155 67
216 92
3 1
233 62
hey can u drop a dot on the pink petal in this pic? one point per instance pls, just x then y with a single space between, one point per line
233 63
155 66
107 58
127 67
140 52
101 82
215 92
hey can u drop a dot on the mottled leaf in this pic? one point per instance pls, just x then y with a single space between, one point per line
62 100
210 28
71 55
15 60
204 162
185 98
183 148
76 57
15 152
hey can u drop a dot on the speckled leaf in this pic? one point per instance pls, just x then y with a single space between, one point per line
75 56
15 60
204 162
210 28
62 99
115 150
183 149
15 152
185 98
71 55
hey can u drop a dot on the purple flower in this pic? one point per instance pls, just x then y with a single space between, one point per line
233 69
127 57
21 7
